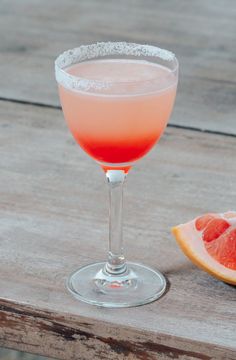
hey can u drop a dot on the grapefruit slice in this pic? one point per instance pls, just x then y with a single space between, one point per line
209 241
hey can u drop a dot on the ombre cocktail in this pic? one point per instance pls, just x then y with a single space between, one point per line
117 99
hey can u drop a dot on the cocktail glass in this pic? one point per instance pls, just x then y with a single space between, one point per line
116 98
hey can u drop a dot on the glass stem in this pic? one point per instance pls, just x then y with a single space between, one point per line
116 264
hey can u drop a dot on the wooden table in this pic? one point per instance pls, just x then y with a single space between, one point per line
53 213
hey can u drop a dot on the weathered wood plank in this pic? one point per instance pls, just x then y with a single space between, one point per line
53 218
201 33
81 338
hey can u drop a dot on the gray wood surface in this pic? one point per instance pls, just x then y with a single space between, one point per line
201 33
53 200
53 218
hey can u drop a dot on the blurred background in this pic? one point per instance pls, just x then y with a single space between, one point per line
17 355
201 33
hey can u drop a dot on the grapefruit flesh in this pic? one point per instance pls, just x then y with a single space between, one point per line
202 221
214 229
210 242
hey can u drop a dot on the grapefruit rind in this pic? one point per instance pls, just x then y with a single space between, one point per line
193 247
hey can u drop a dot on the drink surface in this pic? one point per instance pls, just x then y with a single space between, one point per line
124 112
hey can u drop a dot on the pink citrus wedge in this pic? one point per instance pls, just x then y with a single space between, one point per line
209 241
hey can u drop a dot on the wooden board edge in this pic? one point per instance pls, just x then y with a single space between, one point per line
60 336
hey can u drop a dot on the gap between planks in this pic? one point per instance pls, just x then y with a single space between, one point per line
171 125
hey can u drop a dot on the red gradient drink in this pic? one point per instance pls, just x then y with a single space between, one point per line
117 98
121 123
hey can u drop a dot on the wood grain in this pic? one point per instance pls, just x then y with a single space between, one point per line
53 219
201 33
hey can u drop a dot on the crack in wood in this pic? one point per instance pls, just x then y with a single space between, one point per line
12 318
171 125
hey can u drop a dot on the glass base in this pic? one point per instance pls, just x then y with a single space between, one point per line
138 285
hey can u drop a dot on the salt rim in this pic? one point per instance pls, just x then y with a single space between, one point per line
91 51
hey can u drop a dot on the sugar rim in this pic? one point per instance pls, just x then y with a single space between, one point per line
100 49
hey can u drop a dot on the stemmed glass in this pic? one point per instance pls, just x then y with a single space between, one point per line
116 98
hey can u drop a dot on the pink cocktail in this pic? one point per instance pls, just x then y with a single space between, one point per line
117 99
120 124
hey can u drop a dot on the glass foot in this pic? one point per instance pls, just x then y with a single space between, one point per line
138 285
